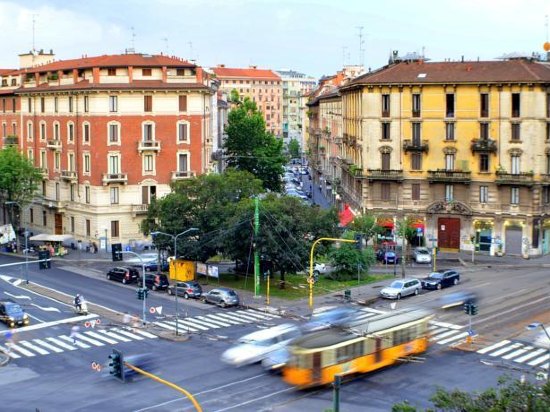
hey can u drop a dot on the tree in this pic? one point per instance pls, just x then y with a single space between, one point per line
407 232
249 147
294 148
348 259
18 181
367 225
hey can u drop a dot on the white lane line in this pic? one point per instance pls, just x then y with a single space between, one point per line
538 361
10 353
48 346
530 355
454 338
228 318
446 325
181 325
80 336
375 311
100 337
214 321
494 346
21 350
46 309
443 335
269 315
30 346
17 296
115 336
146 334
53 323
127 333
506 349
61 343
77 343
257 316
203 324
516 353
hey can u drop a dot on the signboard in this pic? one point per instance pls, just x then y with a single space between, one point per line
213 271
201 268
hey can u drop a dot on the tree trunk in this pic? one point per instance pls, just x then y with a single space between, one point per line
403 257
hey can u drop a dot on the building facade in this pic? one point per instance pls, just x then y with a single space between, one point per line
110 133
462 148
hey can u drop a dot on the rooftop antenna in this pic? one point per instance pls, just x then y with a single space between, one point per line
132 42
165 39
361 43
33 30
190 50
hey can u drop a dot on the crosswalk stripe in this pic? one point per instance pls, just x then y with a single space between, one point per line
230 318
269 315
445 325
48 346
213 318
10 353
89 340
494 346
530 355
372 310
113 335
61 343
193 323
77 342
244 315
146 334
516 353
443 335
100 337
21 350
181 325
165 325
545 366
506 349
127 333
456 337
436 330
256 315
201 324
35 348
538 361
206 322
366 315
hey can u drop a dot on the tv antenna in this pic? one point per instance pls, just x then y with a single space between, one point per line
165 40
361 43
132 41
33 31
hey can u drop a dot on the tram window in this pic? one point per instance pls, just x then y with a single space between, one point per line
328 357
343 353
303 361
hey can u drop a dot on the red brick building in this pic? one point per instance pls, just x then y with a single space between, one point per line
110 133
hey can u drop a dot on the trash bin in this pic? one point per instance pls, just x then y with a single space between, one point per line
347 294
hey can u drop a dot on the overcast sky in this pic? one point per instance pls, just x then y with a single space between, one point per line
307 36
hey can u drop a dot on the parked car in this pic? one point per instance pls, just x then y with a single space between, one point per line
422 255
257 345
156 281
324 318
390 258
12 314
321 269
189 289
123 274
438 280
401 288
222 297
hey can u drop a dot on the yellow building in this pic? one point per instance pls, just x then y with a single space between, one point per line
461 147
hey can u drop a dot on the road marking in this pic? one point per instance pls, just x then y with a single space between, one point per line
146 334
53 323
200 325
33 347
256 316
165 326
115 336
101 337
171 325
216 322
127 333
444 335
530 355
538 361
495 346
74 342
19 349
60 343
516 353
244 317
456 337
437 330
231 319
255 399
9 353
35 318
48 346
46 309
89 340
445 325
17 296
506 349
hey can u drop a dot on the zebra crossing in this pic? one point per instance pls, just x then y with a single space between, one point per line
518 352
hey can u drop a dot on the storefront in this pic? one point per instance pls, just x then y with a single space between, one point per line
513 235
545 236
483 234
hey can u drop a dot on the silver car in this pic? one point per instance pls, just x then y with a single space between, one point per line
401 288
222 297
422 255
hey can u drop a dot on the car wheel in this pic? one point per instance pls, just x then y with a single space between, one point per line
204 300
223 304
439 286
416 291
170 292
398 296
455 282
124 281
153 287
185 295
108 276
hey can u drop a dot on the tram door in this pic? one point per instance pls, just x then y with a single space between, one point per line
316 367
378 350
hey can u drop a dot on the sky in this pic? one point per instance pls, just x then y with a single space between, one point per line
315 37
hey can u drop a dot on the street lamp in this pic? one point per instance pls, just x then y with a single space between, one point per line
533 326
13 202
175 237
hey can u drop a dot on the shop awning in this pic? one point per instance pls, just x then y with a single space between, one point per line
386 222
50 238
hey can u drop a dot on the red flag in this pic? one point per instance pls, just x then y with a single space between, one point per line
346 216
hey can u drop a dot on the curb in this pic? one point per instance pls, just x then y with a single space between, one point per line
6 358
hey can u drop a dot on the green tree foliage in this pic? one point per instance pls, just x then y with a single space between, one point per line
294 149
367 225
250 147
19 181
347 257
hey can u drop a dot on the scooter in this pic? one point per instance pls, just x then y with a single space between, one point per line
83 308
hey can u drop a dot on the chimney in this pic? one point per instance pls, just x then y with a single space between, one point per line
221 65
253 67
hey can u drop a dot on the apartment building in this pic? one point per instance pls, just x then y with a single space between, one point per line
463 148
110 133
262 86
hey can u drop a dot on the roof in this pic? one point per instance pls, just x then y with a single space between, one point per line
116 60
420 72
5 72
135 85
245 73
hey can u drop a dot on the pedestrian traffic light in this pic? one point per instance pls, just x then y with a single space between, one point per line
140 294
359 241
116 248
42 256
473 309
116 364
468 308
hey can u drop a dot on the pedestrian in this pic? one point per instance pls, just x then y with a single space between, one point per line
9 340
74 333
127 318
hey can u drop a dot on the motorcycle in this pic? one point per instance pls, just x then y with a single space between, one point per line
83 310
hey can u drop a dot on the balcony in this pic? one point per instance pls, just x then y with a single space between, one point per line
388 175
483 146
515 179
414 146
337 139
54 144
183 174
148 145
43 171
69 175
545 178
11 141
139 209
115 178
449 176
53 204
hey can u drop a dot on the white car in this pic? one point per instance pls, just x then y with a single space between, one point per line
422 255
255 346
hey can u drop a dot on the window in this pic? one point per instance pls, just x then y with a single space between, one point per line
548 164
385 191
515 105
183 162
449 192
111 71
483 162
148 132
87 193
386 161
4 105
86 163
29 131
88 227
386 131
516 131
44 218
183 132
114 228
548 105
385 105
450 105
86 132
29 104
514 195
113 103
146 72
42 131
43 159
416 134
449 162
484 105
415 187
113 133
70 132
86 104
484 130
13 105
449 131
57 160
72 191
4 129
114 195
70 104
148 193
30 155
180 72
483 194
56 104
14 129
416 161
182 103
31 215
148 103
545 195
72 224
516 165
547 131
56 131
416 105
148 163
44 187
42 104
114 164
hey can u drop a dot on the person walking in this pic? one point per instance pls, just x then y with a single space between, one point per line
74 333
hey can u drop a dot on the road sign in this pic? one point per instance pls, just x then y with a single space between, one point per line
96 366
152 309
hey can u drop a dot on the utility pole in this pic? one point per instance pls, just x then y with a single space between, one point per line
256 254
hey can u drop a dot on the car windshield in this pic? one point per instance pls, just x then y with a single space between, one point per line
13 309
396 285
231 293
422 252
436 275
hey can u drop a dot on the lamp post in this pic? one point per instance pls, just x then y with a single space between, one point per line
175 237
13 202
533 326
143 286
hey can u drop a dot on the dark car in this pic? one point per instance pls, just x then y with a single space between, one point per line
222 297
390 258
438 280
153 266
189 289
12 314
124 275
156 281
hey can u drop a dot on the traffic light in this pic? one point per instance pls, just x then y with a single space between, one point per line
42 255
473 309
116 365
468 308
359 241
116 248
142 293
